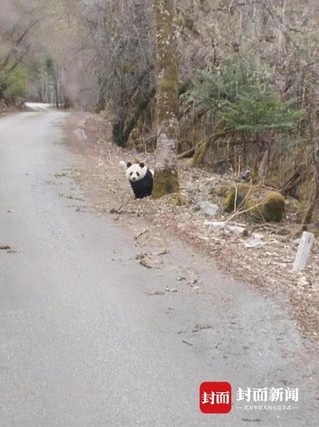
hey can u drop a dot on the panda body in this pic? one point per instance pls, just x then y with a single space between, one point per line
140 178
144 186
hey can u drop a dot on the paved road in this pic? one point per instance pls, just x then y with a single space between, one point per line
82 341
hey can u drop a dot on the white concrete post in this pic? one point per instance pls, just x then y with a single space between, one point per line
304 249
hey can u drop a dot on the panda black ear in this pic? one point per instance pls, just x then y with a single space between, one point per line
128 164
142 165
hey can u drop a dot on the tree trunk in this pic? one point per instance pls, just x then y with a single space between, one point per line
315 197
2 96
292 182
166 177
135 117
101 101
56 93
263 167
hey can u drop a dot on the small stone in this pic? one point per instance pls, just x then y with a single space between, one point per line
210 209
215 224
237 230
283 231
255 241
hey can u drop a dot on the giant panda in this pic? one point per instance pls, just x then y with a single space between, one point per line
140 178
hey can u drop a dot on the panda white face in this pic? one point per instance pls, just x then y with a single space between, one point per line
136 171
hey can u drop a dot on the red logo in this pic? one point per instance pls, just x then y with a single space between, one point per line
215 398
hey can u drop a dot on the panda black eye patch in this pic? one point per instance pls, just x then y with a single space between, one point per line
137 174
131 173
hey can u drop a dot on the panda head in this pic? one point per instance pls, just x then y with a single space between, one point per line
136 171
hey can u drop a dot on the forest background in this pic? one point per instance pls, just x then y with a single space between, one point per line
248 79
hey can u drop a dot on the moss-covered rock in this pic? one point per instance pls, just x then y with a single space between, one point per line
235 197
258 204
274 207
269 208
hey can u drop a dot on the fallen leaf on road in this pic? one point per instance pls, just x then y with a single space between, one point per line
203 326
147 260
69 196
167 289
4 247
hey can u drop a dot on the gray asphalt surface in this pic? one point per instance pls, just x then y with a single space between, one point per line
82 341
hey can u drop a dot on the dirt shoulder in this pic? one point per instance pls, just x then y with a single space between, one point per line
260 255
5 111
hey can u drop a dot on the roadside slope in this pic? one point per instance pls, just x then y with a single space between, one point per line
266 266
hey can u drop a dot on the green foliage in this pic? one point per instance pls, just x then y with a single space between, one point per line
240 96
13 82
261 111
222 85
16 83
